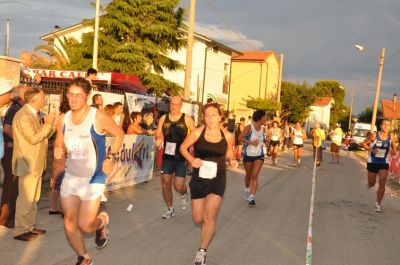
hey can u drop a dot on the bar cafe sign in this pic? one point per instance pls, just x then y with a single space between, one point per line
60 74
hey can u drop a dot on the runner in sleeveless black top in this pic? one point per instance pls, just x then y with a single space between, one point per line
212 148
172 129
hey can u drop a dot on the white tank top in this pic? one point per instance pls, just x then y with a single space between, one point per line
276 134
251 150
85 148
298 137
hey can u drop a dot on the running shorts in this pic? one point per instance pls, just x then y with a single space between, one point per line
335 148
251 159
81 187
375 167
295 146
171 167
274 143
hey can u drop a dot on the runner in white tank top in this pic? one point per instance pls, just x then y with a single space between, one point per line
81 133
298 137
275 134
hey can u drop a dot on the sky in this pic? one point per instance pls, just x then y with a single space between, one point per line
317 37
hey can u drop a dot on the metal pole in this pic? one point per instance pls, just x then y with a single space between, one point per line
189 50
7 39
351 107
378 88
204 75
96 35
278 98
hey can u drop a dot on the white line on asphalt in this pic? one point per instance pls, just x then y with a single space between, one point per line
310 222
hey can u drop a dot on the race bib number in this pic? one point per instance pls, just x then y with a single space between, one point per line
381 153
208 170
170 148
77 149
254 150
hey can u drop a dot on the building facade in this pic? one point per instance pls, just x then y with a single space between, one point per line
321 112
254 74
210 65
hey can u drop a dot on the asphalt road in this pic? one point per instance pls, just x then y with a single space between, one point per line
346 228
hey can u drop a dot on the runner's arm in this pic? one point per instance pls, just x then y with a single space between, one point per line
242 136
369 140
189 122
104 123
231 142
59 144
159 133
189 141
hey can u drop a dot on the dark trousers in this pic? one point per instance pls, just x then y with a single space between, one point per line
10 189
317 151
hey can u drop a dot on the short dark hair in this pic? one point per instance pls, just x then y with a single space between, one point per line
134 115
209 100
242 119
212 105
91 71
382 120
258 114
94 98
116 104
82 83
30 93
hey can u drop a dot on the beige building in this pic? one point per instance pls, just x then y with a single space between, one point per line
254 74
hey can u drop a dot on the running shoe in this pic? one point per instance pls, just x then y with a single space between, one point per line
200 258
246 194
102 234
83 261
169 213
185 200
252 203
298 161
378 208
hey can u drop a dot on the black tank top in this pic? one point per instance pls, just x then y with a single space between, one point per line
174 132
215 152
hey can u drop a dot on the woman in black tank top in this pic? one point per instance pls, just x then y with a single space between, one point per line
212 148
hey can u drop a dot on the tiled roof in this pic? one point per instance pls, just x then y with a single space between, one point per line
258 56
323 101
390 110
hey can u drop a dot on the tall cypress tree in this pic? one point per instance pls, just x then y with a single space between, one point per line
135 38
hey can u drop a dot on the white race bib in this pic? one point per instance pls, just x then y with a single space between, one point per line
208 170
381 153
254 150
170 148
76 147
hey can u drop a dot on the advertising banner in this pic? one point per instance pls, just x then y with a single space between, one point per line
140 103
135 164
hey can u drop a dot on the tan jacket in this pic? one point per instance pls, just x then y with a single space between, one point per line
30 143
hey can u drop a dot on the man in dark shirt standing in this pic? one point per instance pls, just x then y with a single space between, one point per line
10 186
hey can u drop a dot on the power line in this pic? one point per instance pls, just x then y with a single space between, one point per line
229 26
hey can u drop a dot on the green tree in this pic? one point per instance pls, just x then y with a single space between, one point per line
269 105
332 88
135 38
366 115
296 100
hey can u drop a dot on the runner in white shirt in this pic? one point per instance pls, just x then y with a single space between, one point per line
275 136
337 137
298 136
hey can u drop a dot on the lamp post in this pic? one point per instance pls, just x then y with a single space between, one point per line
96 35
378 82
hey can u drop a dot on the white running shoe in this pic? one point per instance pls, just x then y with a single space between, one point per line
169 213
246 194
200 258
298 161
185 200
378 208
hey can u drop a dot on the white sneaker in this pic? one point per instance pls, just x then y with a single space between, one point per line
378 208
169 213
246 194
200 258
298 161
185 200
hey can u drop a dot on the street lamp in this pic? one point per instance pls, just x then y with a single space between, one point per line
378 81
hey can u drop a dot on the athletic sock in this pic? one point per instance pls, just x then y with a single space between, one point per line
202 250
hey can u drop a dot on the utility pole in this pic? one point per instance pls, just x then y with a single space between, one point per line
351 107
96 35
378 88
278 98
189 50
7 39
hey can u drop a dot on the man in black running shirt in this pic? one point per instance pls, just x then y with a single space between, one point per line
171 131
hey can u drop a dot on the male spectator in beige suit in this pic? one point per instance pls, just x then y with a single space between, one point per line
29 161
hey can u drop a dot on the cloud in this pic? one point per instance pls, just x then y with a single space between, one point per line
236 40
